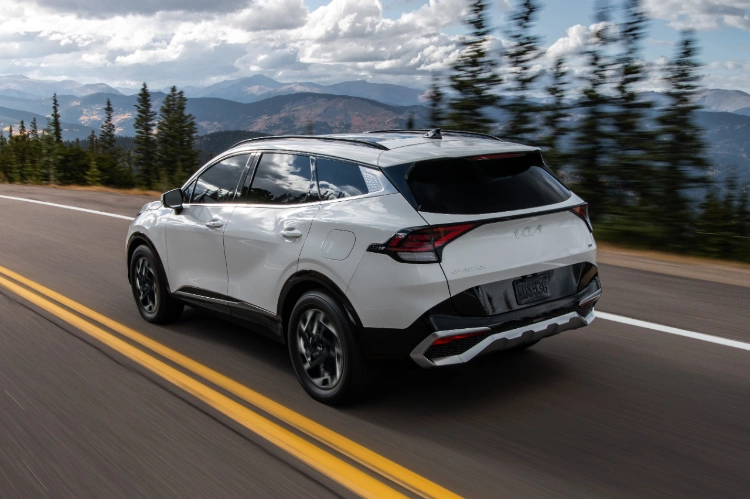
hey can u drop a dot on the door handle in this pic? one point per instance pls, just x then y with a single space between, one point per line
291 232
214 224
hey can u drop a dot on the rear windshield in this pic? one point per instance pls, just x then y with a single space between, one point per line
483 184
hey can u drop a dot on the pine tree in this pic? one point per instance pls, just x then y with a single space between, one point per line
34 133
681 150
474 78
188 160
56 128
107 139
92 143
592 137
410 122
631 165
176 154
520 58
144 158
93 177
436 102
555 113
49 152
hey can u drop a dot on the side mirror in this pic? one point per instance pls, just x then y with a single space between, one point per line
172 199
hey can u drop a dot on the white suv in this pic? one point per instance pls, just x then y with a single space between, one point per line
393 244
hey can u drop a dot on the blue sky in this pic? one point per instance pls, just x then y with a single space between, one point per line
194 42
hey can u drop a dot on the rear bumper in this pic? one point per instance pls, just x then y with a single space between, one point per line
425 353
465 337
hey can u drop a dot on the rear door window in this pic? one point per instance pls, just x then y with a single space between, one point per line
479 185
339 179
281 179
218 184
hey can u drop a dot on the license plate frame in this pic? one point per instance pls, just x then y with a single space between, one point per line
532 289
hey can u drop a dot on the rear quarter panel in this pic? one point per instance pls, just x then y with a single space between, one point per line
384 293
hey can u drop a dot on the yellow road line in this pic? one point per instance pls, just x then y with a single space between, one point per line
333 467
364 456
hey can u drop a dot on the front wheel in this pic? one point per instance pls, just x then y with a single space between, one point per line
326 356
150 290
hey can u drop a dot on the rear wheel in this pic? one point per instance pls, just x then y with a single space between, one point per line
325 355
150 290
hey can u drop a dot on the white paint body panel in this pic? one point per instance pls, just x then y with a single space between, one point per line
372 219
514 248
338 245
195 252
259 258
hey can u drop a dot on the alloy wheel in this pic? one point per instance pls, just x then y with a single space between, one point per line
319 349
145 285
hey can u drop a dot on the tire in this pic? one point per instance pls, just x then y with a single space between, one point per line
149 286
325 354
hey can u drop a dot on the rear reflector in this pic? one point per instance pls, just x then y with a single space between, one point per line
450 339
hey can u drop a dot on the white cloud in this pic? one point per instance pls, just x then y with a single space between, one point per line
703 15
193 42
340 40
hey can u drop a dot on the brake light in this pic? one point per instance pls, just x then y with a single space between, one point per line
583 213
498 156
421 245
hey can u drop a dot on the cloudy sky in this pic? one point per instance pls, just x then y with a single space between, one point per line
198 42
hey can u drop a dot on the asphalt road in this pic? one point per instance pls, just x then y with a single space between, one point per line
611 410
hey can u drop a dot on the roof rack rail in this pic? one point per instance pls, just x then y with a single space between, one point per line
443 131
365 143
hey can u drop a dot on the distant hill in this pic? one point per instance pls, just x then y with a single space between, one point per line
728 139
12 117
27 88
258 87
278 115
724 100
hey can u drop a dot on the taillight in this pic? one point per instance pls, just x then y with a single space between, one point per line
423 245
583 213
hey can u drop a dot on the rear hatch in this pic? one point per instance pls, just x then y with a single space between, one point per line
525 226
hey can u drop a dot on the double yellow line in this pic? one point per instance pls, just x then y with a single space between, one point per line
316 457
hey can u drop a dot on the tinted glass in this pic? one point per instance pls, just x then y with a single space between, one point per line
280 179
187 193
338 179
467 186
218 184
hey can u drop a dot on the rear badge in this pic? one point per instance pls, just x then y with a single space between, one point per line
468 269
529 231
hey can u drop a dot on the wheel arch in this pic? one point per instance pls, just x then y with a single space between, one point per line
140 239
302 282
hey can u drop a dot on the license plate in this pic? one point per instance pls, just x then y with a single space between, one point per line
532 289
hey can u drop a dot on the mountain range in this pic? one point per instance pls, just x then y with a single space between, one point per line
26 88
259 87
263 105
282 114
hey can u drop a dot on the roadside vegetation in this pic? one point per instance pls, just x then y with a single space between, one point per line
644 172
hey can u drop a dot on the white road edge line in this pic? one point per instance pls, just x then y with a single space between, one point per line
601 315
673 330
67 207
